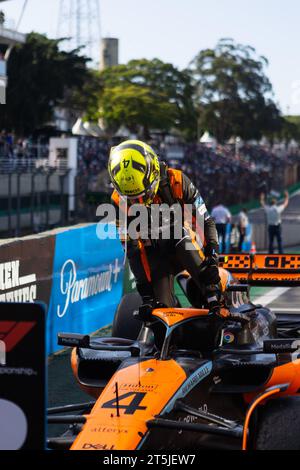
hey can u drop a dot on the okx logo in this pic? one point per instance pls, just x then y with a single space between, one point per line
11 333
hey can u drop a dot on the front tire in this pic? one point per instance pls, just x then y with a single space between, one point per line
278 426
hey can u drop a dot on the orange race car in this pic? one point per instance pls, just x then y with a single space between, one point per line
184 379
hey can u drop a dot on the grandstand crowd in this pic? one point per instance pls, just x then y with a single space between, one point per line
221 172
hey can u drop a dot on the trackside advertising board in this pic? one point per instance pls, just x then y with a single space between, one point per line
86 285
22 376
73 272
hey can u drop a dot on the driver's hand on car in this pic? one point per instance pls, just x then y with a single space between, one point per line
210 268
210 265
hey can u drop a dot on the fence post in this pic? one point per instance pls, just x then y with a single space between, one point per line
64 212
33 174
49 174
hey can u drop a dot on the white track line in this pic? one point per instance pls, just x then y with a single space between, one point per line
286 310
272 295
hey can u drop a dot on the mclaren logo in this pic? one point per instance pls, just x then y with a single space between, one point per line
11 333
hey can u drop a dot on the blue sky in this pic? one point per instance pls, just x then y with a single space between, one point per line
175 30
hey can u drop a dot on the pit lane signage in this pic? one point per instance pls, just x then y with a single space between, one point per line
22 376
283 262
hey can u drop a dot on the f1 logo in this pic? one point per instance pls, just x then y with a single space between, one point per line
11 333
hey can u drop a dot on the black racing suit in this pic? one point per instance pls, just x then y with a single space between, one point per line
166 258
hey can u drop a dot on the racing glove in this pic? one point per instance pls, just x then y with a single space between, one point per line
213 299
211 250
212 277
210 265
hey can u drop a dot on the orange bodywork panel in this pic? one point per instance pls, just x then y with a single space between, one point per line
172 316
144 389
286 374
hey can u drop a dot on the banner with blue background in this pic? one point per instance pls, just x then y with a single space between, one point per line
87 283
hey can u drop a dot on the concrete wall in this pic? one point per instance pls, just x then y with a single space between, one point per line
26 184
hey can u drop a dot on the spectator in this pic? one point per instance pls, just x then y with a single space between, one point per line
243 222
273 213
9 144
234 239
222 217
2 144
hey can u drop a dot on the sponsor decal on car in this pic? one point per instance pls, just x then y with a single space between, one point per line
139 387
101 429
90 446
228 337
199 375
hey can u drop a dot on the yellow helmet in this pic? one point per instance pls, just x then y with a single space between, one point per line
134 170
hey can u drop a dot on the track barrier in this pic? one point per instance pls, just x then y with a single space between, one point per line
78 276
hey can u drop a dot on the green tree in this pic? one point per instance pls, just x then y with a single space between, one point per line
40 77
233 93
290 129
149 95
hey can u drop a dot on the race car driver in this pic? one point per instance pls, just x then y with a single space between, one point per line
140 178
